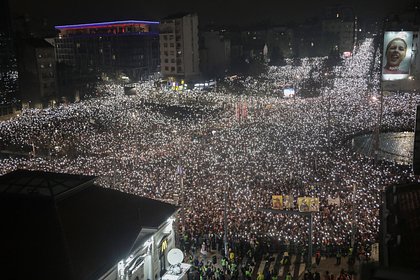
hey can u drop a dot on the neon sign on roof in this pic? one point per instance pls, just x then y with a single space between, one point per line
104 24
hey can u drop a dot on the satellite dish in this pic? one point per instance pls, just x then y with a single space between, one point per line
175 256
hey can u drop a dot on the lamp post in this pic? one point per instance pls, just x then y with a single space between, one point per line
353 217
378 127
225 224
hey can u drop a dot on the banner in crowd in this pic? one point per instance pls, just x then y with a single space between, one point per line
277 202
308 204
333 200
288 201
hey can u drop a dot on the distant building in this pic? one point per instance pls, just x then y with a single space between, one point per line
309 40
8 63
37 69
214 54
63 226
179 51
118 49
253 42
341 22
280 43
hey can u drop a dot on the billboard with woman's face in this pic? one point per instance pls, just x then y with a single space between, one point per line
397 55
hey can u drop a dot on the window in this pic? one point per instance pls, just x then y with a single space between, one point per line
172 69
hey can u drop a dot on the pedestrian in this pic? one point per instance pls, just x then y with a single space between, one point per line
318 257
327 275
273 275
338 258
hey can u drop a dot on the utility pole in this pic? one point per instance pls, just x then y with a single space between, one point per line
378 127
180 172
353 219
225 220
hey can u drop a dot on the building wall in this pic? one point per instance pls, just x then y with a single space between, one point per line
85 54
179 52
151 252
46 69
345 32
217 54
38 74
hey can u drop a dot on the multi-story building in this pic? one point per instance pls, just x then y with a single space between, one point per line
309 40
179 52
8 63
214 54
37 69
107 49
341 22
280 43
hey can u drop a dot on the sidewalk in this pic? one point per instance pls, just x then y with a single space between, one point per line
329 264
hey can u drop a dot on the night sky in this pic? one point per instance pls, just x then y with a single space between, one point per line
211 11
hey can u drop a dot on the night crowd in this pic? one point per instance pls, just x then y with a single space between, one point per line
234 148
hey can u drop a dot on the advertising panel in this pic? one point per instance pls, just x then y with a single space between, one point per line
288 92
397 55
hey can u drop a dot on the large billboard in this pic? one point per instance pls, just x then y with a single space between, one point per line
397 55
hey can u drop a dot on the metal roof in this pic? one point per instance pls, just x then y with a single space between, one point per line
42 184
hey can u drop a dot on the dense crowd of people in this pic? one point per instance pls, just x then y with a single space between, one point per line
242 147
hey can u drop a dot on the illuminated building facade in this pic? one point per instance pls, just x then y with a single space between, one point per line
63 226
113 49
179 52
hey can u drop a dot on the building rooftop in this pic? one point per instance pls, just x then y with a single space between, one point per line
40 183
81 233
106 24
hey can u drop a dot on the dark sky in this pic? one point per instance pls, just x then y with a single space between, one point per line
218 11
